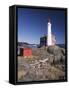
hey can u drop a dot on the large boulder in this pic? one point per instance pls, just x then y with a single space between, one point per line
54 50
58 53
57 58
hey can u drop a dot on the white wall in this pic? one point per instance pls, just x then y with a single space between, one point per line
4 41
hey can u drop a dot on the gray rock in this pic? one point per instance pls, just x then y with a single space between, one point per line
54 50
51 59
58 54
57 58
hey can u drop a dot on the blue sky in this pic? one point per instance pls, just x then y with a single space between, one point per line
32 24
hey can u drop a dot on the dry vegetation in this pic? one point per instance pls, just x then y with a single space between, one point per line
36 68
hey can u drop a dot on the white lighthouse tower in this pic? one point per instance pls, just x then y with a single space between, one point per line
49 37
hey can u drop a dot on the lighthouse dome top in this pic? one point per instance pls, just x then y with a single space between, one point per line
49 20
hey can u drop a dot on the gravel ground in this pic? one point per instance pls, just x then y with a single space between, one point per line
37 70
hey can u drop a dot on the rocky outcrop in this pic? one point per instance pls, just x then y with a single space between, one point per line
47 63
58 54
54 50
